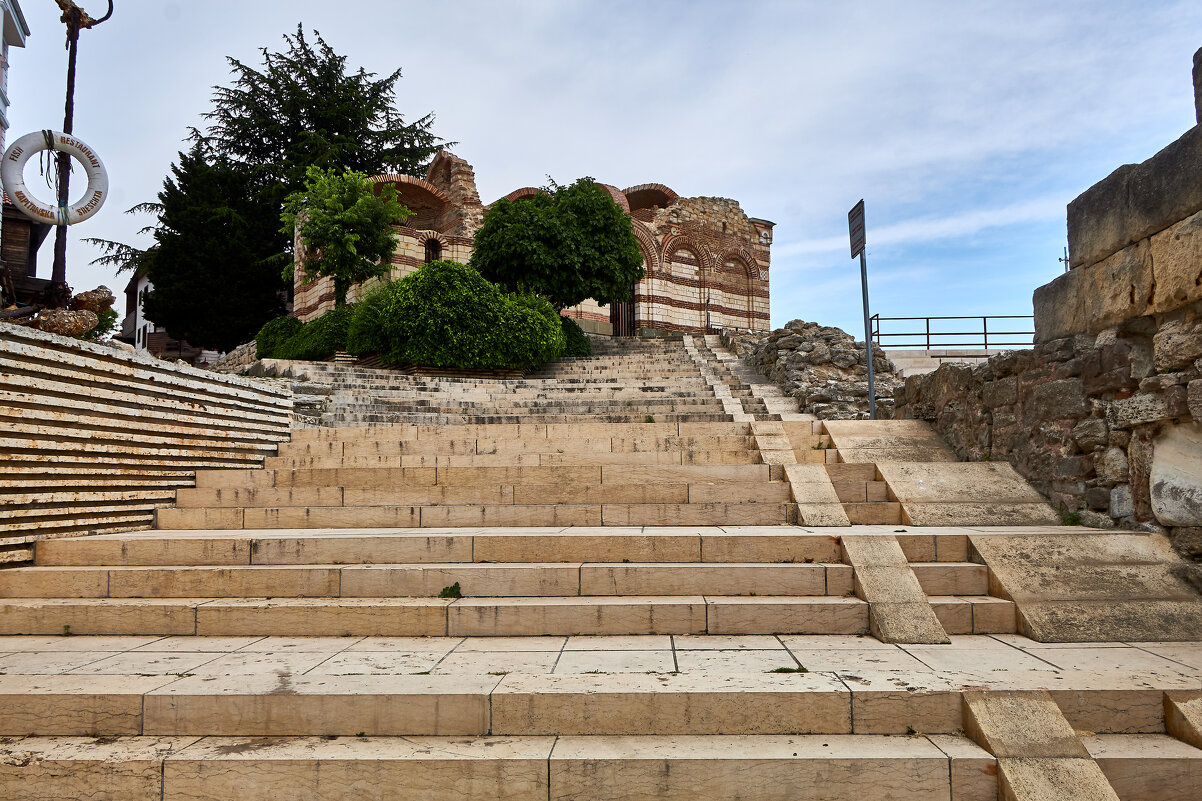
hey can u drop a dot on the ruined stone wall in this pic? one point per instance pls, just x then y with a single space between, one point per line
1104 415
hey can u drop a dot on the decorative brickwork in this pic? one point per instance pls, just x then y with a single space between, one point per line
707 261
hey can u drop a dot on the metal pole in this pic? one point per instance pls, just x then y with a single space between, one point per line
59 294
868 338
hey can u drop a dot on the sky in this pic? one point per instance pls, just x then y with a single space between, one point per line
966 127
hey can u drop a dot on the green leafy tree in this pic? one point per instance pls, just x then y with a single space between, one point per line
566 243
346 228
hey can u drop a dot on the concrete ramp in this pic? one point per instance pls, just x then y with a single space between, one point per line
964 493
1092 586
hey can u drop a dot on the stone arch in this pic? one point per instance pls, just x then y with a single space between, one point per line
675 244
644 196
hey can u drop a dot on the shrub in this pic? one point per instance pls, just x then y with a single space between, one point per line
576 343
273 334
319 339
369 321
447 315
536 323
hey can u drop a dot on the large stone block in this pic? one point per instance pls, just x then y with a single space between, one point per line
1176 479
1057 400
1097 296
1136 201
1177 262
1137 410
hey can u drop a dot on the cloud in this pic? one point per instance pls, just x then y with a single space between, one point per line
931 229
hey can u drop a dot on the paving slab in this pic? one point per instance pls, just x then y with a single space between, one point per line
888 441
56 768
800 768
285 704
685 703
368 768
1147 767
1093 586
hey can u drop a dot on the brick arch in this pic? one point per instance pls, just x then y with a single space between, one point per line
750 274
672 244
742 255
518 194
429 204
644 196
617 195
402 183
648 246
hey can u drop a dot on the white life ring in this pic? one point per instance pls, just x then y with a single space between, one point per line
12 173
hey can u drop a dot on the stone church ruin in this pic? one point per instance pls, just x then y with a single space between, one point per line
706 261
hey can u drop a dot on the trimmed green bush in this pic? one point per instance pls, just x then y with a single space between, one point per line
273 334
576 342
319 339
447 315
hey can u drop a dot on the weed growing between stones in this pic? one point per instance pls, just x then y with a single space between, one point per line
1068 518
789 670
452 591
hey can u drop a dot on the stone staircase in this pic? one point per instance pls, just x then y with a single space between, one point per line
637 381
458 589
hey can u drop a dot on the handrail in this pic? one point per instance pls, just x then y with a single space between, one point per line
928 339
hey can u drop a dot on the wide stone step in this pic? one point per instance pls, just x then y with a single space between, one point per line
392 418
600 514
424 617
569 768
686 544
602 440
450 494
260 695
427 580
700 457
527 431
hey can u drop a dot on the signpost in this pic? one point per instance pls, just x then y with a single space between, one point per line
855 226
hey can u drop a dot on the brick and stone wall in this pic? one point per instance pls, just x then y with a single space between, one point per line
1104 414
707 263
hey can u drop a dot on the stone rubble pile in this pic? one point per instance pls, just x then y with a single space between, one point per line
824 367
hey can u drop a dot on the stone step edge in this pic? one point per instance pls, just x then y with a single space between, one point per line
96 581
479 616
506 703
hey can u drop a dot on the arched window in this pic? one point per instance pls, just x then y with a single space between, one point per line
433 250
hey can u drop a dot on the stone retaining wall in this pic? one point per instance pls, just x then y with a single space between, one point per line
1104 415
1088 419
94 439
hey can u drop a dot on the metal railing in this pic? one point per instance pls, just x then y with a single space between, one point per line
986 336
